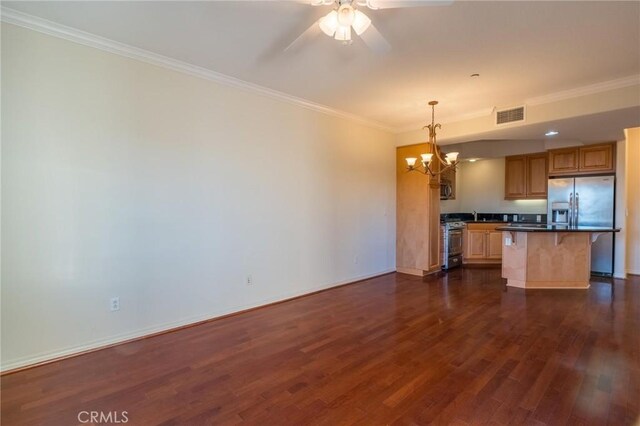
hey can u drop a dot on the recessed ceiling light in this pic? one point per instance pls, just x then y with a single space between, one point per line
551 133
473 160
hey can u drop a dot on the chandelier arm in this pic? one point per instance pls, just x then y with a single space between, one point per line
432 141
428 169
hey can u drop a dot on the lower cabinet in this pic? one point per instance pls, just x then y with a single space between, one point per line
482 243
494 245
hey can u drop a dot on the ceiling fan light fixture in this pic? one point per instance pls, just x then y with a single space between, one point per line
360 22
346 15
343 33
329 23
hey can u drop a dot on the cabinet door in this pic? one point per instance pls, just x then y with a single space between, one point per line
475 244
563 161
494 245
537 175
515 177
597 158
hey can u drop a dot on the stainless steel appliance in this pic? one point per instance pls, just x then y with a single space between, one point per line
585 201
452 252
446 189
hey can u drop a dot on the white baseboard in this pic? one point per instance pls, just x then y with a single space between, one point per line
120 338
619 275
633 272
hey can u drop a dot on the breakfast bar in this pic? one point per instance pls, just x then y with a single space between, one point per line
546 256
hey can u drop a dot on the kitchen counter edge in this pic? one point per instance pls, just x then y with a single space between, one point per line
556 229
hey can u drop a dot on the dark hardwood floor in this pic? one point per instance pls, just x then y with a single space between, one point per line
391 350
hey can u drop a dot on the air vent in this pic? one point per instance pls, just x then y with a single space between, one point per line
511 115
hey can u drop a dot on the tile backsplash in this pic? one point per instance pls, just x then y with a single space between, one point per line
495 217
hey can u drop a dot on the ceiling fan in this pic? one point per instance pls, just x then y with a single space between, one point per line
347 17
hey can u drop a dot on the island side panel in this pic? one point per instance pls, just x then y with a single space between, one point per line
514 257
558 260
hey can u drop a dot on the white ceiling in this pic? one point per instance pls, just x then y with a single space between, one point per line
520 49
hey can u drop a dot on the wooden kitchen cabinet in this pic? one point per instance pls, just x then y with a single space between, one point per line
494 245
584 160
526 177
563 161
515 186
475 246
597 158
482 243
537 176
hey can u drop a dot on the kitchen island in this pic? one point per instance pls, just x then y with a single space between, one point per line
545 256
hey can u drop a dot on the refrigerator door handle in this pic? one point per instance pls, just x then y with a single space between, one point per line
577 211
570 213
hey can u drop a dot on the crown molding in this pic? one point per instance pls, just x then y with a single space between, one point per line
51 28
591 89
44 26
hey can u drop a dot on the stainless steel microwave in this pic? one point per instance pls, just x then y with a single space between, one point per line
446 190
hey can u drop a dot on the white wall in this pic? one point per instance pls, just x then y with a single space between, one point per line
482 189
620 261
633 200
120 178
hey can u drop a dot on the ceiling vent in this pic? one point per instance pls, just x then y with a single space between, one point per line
508 116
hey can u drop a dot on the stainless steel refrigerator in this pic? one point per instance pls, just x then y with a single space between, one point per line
586 201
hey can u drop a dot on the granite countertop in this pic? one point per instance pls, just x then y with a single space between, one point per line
554 228
484 221
505 223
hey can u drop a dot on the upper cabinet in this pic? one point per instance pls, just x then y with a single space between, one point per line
515 185
597 158
563 161
590 159
525 177
537 175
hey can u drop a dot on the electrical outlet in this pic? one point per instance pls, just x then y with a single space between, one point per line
115 304
507 241
249 280
538 218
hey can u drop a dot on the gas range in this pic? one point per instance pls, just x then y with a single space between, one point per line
452 244
454 225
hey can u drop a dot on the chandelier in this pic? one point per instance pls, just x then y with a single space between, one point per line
449 161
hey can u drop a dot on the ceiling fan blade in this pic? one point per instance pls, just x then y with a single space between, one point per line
394 4
306 36
375 41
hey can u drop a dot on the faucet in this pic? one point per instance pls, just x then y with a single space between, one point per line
475 216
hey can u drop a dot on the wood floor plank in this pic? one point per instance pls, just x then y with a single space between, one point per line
455 349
